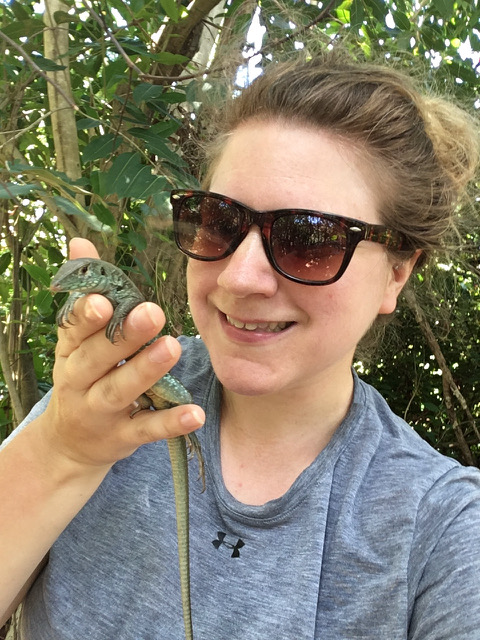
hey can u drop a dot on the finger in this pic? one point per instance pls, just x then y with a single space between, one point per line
82 248
150 426
116 436
90 314
121 386
96 356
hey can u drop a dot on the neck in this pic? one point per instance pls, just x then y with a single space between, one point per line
267 441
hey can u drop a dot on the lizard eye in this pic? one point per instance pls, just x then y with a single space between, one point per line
84 269
103 272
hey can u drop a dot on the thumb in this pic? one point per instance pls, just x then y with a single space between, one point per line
82 248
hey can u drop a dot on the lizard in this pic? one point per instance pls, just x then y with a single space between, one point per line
82 276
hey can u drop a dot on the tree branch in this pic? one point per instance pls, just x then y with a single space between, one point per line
110 35
35 66
17 406
450 388
271 45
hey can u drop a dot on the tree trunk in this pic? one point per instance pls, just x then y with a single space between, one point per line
55 39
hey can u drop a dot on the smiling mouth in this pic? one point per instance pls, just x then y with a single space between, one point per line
269 327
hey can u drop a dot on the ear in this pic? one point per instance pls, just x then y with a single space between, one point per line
400 272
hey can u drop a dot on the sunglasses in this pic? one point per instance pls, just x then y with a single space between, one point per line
309 247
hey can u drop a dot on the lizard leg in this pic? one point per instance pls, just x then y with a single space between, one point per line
63 315
194 449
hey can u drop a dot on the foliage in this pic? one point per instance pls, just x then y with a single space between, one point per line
101 112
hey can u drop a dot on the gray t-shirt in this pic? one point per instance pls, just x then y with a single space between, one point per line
378 538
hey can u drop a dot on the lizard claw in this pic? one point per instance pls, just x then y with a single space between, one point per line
111 330
194 449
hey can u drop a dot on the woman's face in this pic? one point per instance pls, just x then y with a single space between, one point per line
265 334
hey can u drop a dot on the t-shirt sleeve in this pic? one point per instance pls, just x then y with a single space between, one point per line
36 411
446 598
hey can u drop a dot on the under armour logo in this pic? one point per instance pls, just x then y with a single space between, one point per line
220 541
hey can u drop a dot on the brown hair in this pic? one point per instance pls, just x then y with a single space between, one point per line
424 148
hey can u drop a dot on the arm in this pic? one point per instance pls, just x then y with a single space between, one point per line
447 594
50 470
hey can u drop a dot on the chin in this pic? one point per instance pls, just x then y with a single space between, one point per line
248 384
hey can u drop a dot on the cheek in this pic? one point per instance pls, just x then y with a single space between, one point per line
351 304
201 280
193 286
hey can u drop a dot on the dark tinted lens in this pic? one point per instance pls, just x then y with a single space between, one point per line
308 247
207 226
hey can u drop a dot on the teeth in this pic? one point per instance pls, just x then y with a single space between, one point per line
273 327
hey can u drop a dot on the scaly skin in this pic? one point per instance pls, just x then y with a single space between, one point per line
89 275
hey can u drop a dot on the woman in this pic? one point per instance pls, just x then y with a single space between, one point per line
324 516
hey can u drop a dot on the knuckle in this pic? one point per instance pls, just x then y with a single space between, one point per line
155 425
145 432
110 395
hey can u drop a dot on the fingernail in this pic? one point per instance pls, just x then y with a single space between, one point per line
146 311
91 312
191 419
163 350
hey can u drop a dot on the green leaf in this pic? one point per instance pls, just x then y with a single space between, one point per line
61 17
401 21
43 302
129 178
104 214
137 240
155 144
172 97
343 13
357 14
46 64
5 260
164 57
19 12
444 7
379 9
136 6
171 9
75 209
87 123
55 256
165 129
10 190
38 274
146 91
101 147
23 29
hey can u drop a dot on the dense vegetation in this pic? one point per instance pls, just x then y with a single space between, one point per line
102 105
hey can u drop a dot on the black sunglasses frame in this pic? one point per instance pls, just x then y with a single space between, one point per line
355 232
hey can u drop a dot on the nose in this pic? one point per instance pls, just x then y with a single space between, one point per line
247 271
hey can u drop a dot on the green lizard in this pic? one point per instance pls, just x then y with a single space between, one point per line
89 275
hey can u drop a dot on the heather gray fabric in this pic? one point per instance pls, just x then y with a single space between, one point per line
379 538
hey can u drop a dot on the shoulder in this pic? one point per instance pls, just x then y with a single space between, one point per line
400 445
405 471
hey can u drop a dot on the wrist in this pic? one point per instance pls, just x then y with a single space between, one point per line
52 461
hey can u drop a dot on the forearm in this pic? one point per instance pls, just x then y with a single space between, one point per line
41 491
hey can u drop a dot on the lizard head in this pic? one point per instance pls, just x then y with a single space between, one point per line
81 274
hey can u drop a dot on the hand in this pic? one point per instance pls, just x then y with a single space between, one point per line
88 417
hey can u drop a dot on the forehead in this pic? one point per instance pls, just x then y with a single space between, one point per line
277 164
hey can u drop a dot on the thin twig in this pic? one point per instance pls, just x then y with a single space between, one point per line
19 132
450 387
110 35
300 30
35 66
271 45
